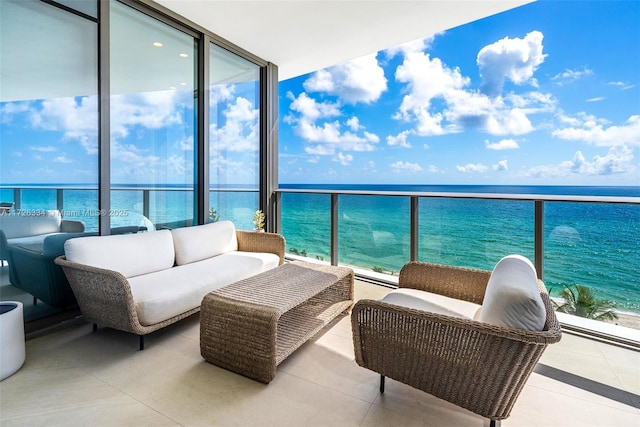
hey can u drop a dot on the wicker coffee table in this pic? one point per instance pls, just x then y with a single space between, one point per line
252 325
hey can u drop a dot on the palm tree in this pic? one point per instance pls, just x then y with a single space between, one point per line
582 302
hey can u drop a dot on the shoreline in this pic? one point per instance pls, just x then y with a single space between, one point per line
628 320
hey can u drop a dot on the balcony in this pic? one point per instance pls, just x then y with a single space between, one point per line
99 378
73 376
376 232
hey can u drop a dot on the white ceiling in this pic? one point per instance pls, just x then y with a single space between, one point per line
302 36
299 36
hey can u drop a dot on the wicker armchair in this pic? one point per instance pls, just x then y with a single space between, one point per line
478 366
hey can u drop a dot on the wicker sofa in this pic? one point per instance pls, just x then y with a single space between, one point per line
445 345
142 282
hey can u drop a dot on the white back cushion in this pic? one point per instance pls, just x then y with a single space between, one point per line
512 297
27 223
129 254
204 241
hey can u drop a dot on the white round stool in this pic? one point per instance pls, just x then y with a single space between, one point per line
11 338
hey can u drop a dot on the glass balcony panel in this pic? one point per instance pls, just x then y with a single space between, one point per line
582 249
306 225
374 232
474 233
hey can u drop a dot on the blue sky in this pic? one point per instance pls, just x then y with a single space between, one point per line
545 94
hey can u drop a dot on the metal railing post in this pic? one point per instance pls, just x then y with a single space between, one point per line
60 200
17 195
145 203
334 229
538 232
415 223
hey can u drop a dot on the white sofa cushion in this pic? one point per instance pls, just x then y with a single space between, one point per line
204 241
129 254
161 295
431 302
27 223
512 297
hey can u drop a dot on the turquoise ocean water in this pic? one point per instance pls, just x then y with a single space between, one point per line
591 244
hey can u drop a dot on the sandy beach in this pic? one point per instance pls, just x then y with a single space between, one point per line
629 320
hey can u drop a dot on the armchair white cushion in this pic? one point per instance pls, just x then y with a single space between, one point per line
434 303
512 297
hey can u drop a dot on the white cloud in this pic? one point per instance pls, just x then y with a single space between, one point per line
77 119
514 59
434 169
327 136
618 160
429 80
360 80
9 109
570 76
239 131
472 167
220 93
320 149
502 165
43 148
354 123
343 159
419 45
310 109
589 129
399 140
505 144
62 159
186 144
401 166
596 99
622 85
150 110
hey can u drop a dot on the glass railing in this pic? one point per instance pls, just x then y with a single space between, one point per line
589 241
154 207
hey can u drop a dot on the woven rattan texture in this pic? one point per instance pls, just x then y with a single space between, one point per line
251 326
477 366
104 296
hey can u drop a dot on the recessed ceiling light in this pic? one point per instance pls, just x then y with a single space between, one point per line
184 55
172 87
157 44
183 84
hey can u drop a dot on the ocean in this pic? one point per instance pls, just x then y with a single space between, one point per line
590 244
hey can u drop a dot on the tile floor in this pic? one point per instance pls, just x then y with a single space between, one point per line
74 377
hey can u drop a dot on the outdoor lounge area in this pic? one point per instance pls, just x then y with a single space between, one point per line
222 278
75 377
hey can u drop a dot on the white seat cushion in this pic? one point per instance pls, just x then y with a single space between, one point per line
204 241
129 254
512 297
161 295
434 303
